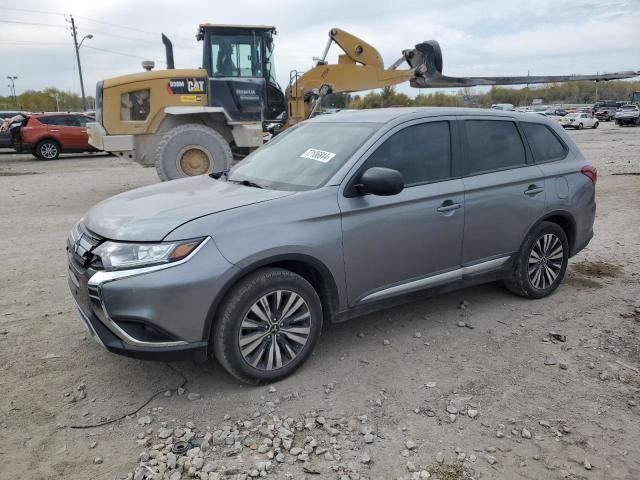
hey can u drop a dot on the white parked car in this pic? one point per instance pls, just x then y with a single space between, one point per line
579 121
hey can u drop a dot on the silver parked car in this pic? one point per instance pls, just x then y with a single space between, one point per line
340 215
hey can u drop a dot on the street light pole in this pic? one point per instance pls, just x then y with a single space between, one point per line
12 79
74 33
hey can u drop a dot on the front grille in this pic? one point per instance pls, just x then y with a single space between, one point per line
80 243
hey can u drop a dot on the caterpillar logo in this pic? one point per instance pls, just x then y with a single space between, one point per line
187 85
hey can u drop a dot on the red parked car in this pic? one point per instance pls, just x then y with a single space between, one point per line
47 135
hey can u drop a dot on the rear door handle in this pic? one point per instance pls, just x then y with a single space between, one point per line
54 130
448 206
533 190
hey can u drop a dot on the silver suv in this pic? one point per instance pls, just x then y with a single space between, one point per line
335 217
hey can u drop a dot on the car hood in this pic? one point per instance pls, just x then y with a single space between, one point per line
148 214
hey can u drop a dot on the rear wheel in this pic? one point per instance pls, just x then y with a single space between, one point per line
190 150
541 263
47 150
268 326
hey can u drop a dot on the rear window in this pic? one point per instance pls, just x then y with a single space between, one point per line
493 145
544 144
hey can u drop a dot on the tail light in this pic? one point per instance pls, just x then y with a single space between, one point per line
591 172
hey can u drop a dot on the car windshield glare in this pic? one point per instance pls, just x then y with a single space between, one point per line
304 157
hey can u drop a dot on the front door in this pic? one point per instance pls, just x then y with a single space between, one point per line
411 240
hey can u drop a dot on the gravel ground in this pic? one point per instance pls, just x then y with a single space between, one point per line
531 389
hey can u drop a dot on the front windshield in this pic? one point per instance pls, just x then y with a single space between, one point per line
304 157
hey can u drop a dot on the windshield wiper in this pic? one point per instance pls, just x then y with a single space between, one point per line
246 183
217 175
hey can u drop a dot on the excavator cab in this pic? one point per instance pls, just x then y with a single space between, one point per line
241 68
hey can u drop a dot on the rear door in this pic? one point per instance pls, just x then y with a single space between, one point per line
57 128
504 190
396 244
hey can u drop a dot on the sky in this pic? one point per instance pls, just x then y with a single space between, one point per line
492 37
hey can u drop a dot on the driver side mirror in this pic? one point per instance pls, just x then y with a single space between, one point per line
380 181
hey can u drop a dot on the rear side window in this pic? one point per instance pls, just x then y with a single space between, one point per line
422 153
544 144
493 145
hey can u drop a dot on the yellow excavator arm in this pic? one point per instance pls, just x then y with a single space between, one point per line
360 67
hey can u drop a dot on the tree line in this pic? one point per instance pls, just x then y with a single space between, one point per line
48 100
52 99
555 93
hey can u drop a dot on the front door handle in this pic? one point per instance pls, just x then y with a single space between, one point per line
448 206
533 190
54 130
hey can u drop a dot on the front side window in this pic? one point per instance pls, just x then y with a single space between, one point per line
236 56
421 153
304 157
135 106
545 146
492 145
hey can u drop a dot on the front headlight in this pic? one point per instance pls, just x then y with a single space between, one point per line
121 256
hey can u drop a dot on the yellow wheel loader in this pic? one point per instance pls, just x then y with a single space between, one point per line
197 121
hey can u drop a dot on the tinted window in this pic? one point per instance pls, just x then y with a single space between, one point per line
69 121
492 145
84 120
49 120
422 153
543 142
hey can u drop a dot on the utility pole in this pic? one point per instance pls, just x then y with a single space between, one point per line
74 34
12 86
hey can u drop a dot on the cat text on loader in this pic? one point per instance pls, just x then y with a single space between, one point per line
197 121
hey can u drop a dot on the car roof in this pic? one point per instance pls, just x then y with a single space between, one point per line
57 114
387 115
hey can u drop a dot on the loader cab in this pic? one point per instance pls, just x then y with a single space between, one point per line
241 68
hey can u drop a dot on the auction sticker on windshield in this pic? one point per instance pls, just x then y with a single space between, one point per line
319 155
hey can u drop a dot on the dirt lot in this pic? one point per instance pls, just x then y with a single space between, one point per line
394 395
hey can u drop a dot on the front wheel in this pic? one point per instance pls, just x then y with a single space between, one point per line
540 265
595 125
191 149
268 326
580 126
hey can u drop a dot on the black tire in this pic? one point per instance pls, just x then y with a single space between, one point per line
595 125
211 152
236 307
580 126
521 282
47 149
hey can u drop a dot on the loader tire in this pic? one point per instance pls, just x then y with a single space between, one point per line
189 150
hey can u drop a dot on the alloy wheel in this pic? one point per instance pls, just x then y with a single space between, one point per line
545 261
274 330
48 150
